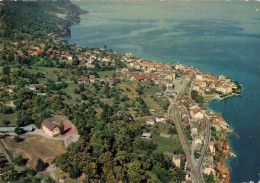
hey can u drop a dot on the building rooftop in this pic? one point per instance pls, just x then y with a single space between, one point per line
48 124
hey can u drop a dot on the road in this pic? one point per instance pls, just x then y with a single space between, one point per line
205 147
173 117
195 167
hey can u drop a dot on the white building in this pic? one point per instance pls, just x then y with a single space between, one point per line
196 113
160 120
150 122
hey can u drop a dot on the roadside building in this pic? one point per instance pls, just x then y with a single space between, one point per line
209 170
196 113
177 159
160 120
146 135
211 147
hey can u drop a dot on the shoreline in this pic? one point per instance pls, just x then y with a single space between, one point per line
224 154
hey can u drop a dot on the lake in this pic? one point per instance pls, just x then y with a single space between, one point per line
219 37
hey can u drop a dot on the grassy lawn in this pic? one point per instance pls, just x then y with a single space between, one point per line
70 91
151 90
34 147
10 117
166 144
160 128
186 90
108 74
51 73
153 104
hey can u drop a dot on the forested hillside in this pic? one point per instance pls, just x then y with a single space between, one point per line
23 21
39 81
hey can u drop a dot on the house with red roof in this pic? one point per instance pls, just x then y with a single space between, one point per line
29 52
83 80
196 113
50 128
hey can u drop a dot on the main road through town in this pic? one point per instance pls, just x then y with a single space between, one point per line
173 116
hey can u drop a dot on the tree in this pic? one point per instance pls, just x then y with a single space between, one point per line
6 122
41 166
172 130
10 173
6 70
19 160
196 96
6 110
18 139
62 129
84 96
19 130
209 178
49 180
196 154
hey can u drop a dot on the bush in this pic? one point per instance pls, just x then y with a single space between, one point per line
19 131
18 139
6 110
41 166
6 122
20 161
196 154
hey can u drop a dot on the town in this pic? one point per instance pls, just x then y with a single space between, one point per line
184 86
69 112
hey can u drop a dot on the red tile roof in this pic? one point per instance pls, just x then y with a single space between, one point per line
195 110
83 79
48 124
92 76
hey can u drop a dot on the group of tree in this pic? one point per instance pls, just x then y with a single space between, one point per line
196 96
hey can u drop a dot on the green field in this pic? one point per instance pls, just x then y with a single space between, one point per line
167 144
10 117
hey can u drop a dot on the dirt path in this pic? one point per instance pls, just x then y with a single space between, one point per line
131 89
4 152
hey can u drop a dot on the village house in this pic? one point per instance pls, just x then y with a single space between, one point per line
215 125
92 78
83 80
150 122
70 57
211 147
208 171
177 159
160 120
198 142
178 66
50 128
221 122
194 131
147 135
196 113
115 79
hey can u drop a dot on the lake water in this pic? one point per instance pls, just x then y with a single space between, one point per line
219 37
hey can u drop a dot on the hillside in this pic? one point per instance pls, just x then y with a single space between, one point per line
43 76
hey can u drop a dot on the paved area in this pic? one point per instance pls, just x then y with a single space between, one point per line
74 137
